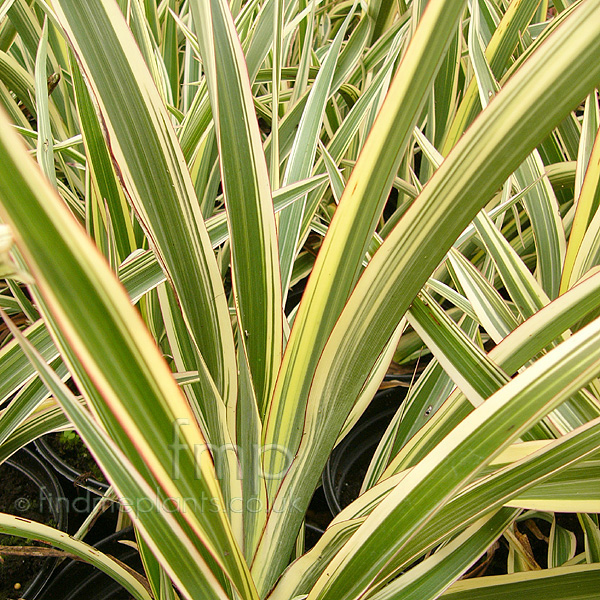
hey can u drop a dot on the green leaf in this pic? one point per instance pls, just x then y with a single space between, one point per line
524 290
302 156
139 499
340 258
45 141
511 354
435 573
25 403
474 373
365 106
125 377
405 260
105 188
532 463
548 233
498 53
11 525
143 144
586 207
561 545
493 147
589 525
15 369
256 279
18 81
424 399
579 582
492 311
575 489
480 437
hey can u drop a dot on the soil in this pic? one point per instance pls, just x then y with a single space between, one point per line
71 449
21 497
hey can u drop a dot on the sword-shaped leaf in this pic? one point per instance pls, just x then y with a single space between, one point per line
115 360
150 164
340 259
507 131
245 180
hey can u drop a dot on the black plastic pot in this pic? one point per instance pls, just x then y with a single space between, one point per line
69 471
312 534
77 580
318 516
295 295
30 490
347 466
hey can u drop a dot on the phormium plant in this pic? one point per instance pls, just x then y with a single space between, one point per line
431 167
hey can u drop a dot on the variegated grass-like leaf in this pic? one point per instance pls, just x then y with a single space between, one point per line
133 363
144 146
245 180
408 256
